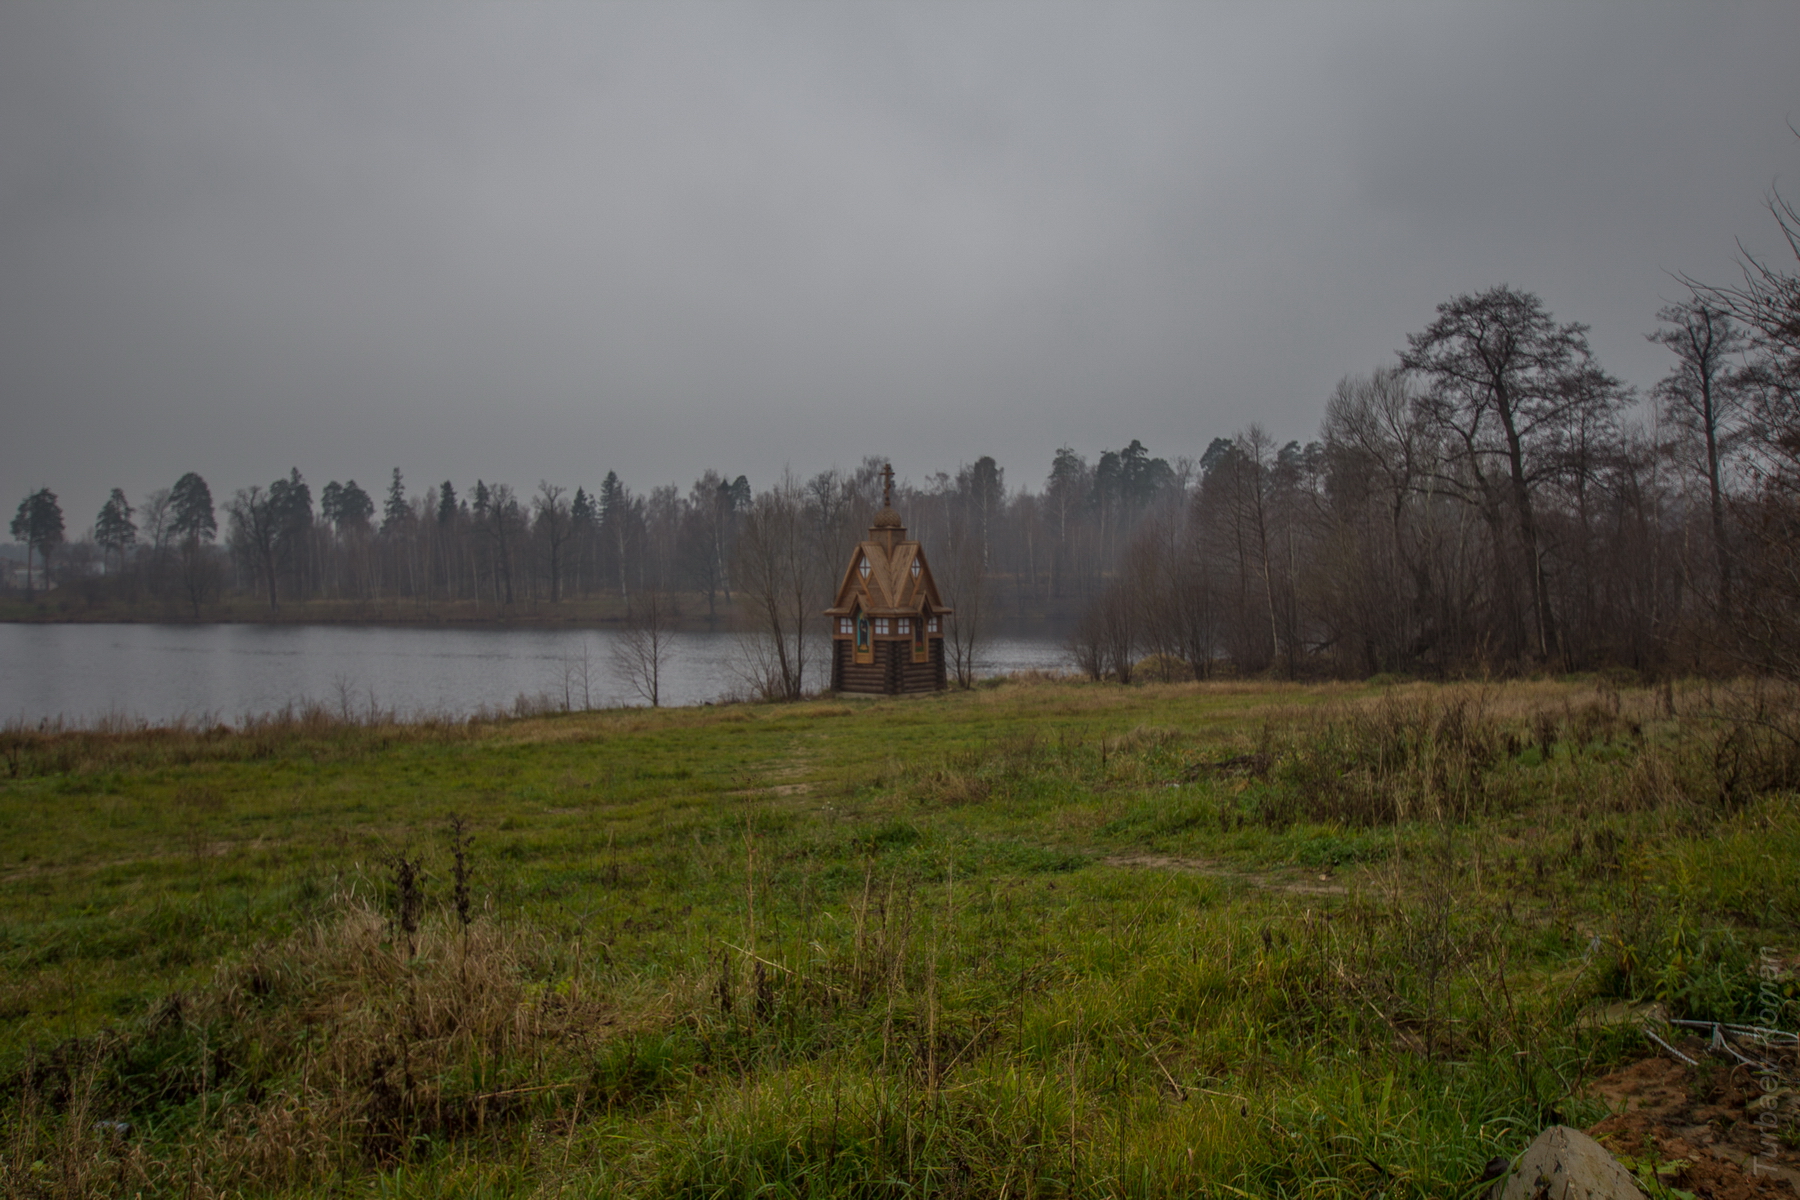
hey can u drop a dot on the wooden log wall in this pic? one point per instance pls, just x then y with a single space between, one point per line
893 671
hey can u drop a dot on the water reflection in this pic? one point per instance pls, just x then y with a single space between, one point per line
164 673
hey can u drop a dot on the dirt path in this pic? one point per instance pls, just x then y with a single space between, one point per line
1293 882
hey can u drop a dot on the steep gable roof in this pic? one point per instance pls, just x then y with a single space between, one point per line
890 589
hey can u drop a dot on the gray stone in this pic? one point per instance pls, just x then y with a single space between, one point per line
1567 1164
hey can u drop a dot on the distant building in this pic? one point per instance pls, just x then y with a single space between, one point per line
13 576
888 620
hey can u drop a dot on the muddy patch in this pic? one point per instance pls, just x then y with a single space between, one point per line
1715 1130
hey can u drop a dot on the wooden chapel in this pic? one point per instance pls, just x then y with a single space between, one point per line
887 622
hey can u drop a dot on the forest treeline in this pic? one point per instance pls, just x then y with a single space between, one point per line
1492 500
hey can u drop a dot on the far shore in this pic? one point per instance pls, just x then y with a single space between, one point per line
689 614
57 609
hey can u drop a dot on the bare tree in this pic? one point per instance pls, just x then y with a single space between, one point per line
1087 643
1107 637
1167 571
965 630
659 557
963 579
709 529
505 526
154 544
268 527
779 583
1767 306
1255 459
251 535
1504 381
554 526
1371 578
578 676
644 647
1192 609
1705 398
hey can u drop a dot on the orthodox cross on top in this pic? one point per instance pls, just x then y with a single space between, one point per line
887 485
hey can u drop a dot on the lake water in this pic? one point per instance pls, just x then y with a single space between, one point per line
166 673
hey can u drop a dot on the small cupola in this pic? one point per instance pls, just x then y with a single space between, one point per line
887 528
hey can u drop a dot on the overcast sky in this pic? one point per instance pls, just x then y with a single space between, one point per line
526 241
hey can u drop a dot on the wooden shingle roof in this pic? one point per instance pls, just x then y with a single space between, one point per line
890 589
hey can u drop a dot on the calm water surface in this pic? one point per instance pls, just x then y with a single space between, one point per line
165 673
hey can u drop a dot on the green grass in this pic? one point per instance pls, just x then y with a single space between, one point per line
1025 941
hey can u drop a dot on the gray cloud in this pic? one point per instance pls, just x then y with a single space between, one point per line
530 241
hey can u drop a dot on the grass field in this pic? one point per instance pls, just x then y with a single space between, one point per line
1040 939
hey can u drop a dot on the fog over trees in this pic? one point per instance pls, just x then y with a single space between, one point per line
1491 500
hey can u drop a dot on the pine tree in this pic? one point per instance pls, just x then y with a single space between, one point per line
396 513
39 524
113 528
